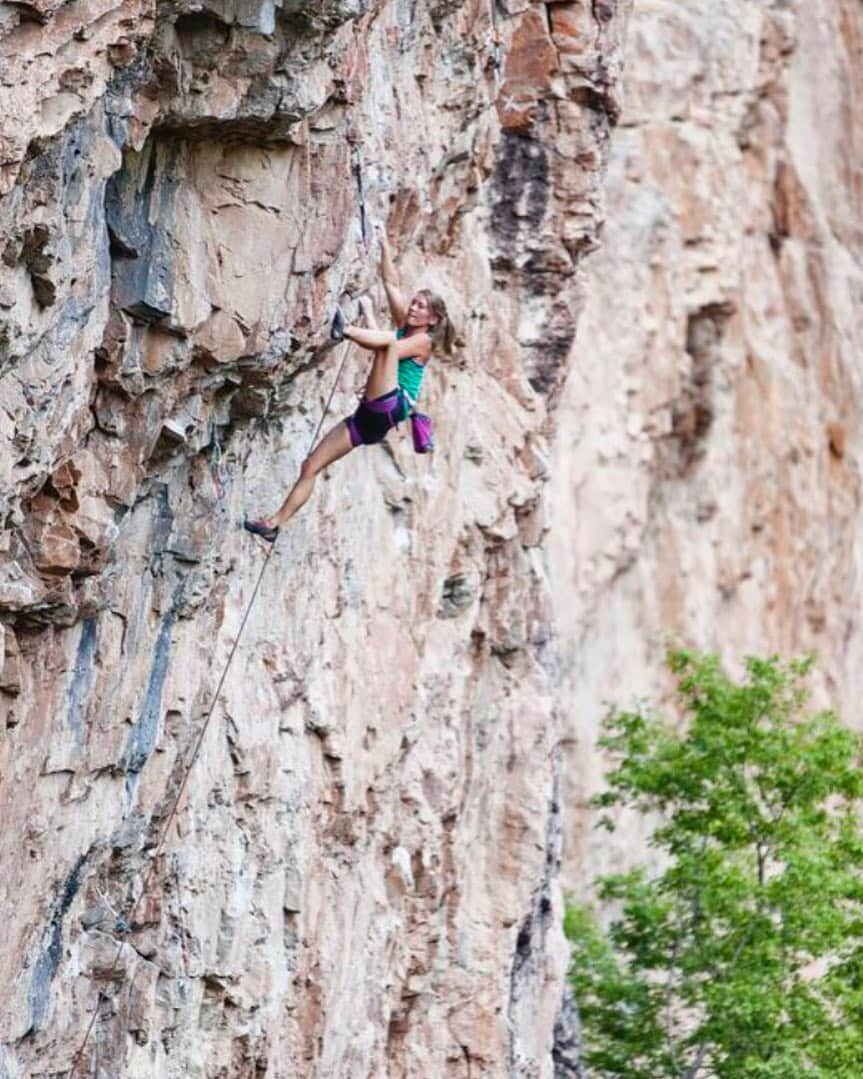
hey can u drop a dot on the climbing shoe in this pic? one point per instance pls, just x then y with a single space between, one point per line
258 528
337 330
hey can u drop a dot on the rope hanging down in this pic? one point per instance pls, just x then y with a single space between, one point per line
357 165
125 924
496 42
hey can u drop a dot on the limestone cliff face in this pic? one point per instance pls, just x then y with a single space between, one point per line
707 474
362 878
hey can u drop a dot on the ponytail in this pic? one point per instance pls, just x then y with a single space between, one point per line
442 333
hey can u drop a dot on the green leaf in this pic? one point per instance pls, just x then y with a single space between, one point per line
737 949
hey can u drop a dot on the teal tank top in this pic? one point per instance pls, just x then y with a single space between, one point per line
410 372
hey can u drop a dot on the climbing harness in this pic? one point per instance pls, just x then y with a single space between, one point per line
124 925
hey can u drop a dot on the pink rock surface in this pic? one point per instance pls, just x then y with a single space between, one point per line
707 469
362 876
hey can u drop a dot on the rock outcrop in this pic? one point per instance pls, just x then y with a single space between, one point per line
362 876
708 461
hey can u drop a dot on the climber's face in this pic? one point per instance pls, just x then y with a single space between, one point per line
419 313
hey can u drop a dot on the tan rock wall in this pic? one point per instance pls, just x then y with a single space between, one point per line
707 472
362 876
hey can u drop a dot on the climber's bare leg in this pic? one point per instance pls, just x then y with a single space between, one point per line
335 444
384 375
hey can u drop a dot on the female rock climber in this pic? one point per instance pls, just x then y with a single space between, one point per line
393 385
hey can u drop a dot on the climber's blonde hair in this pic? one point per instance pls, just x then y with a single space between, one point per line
442 332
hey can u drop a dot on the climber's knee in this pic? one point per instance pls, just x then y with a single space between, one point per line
309 468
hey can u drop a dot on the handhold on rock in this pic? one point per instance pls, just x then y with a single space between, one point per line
19 589
250 402
172 433
836 439
173 430
55 544
458 593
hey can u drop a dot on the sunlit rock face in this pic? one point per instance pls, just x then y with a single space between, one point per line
362 875
706 479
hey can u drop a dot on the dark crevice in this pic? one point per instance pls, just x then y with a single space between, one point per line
520 191
142 738
550 361
603 11
49 959
530 956
566 1048
202 36
82 677
693 411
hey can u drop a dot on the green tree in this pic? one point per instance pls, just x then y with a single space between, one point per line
741 954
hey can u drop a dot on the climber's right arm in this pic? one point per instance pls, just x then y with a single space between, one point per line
391 283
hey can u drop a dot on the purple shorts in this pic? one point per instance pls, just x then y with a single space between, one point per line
373 419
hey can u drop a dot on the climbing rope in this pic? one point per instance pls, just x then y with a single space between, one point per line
496 45
357 164
124 925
